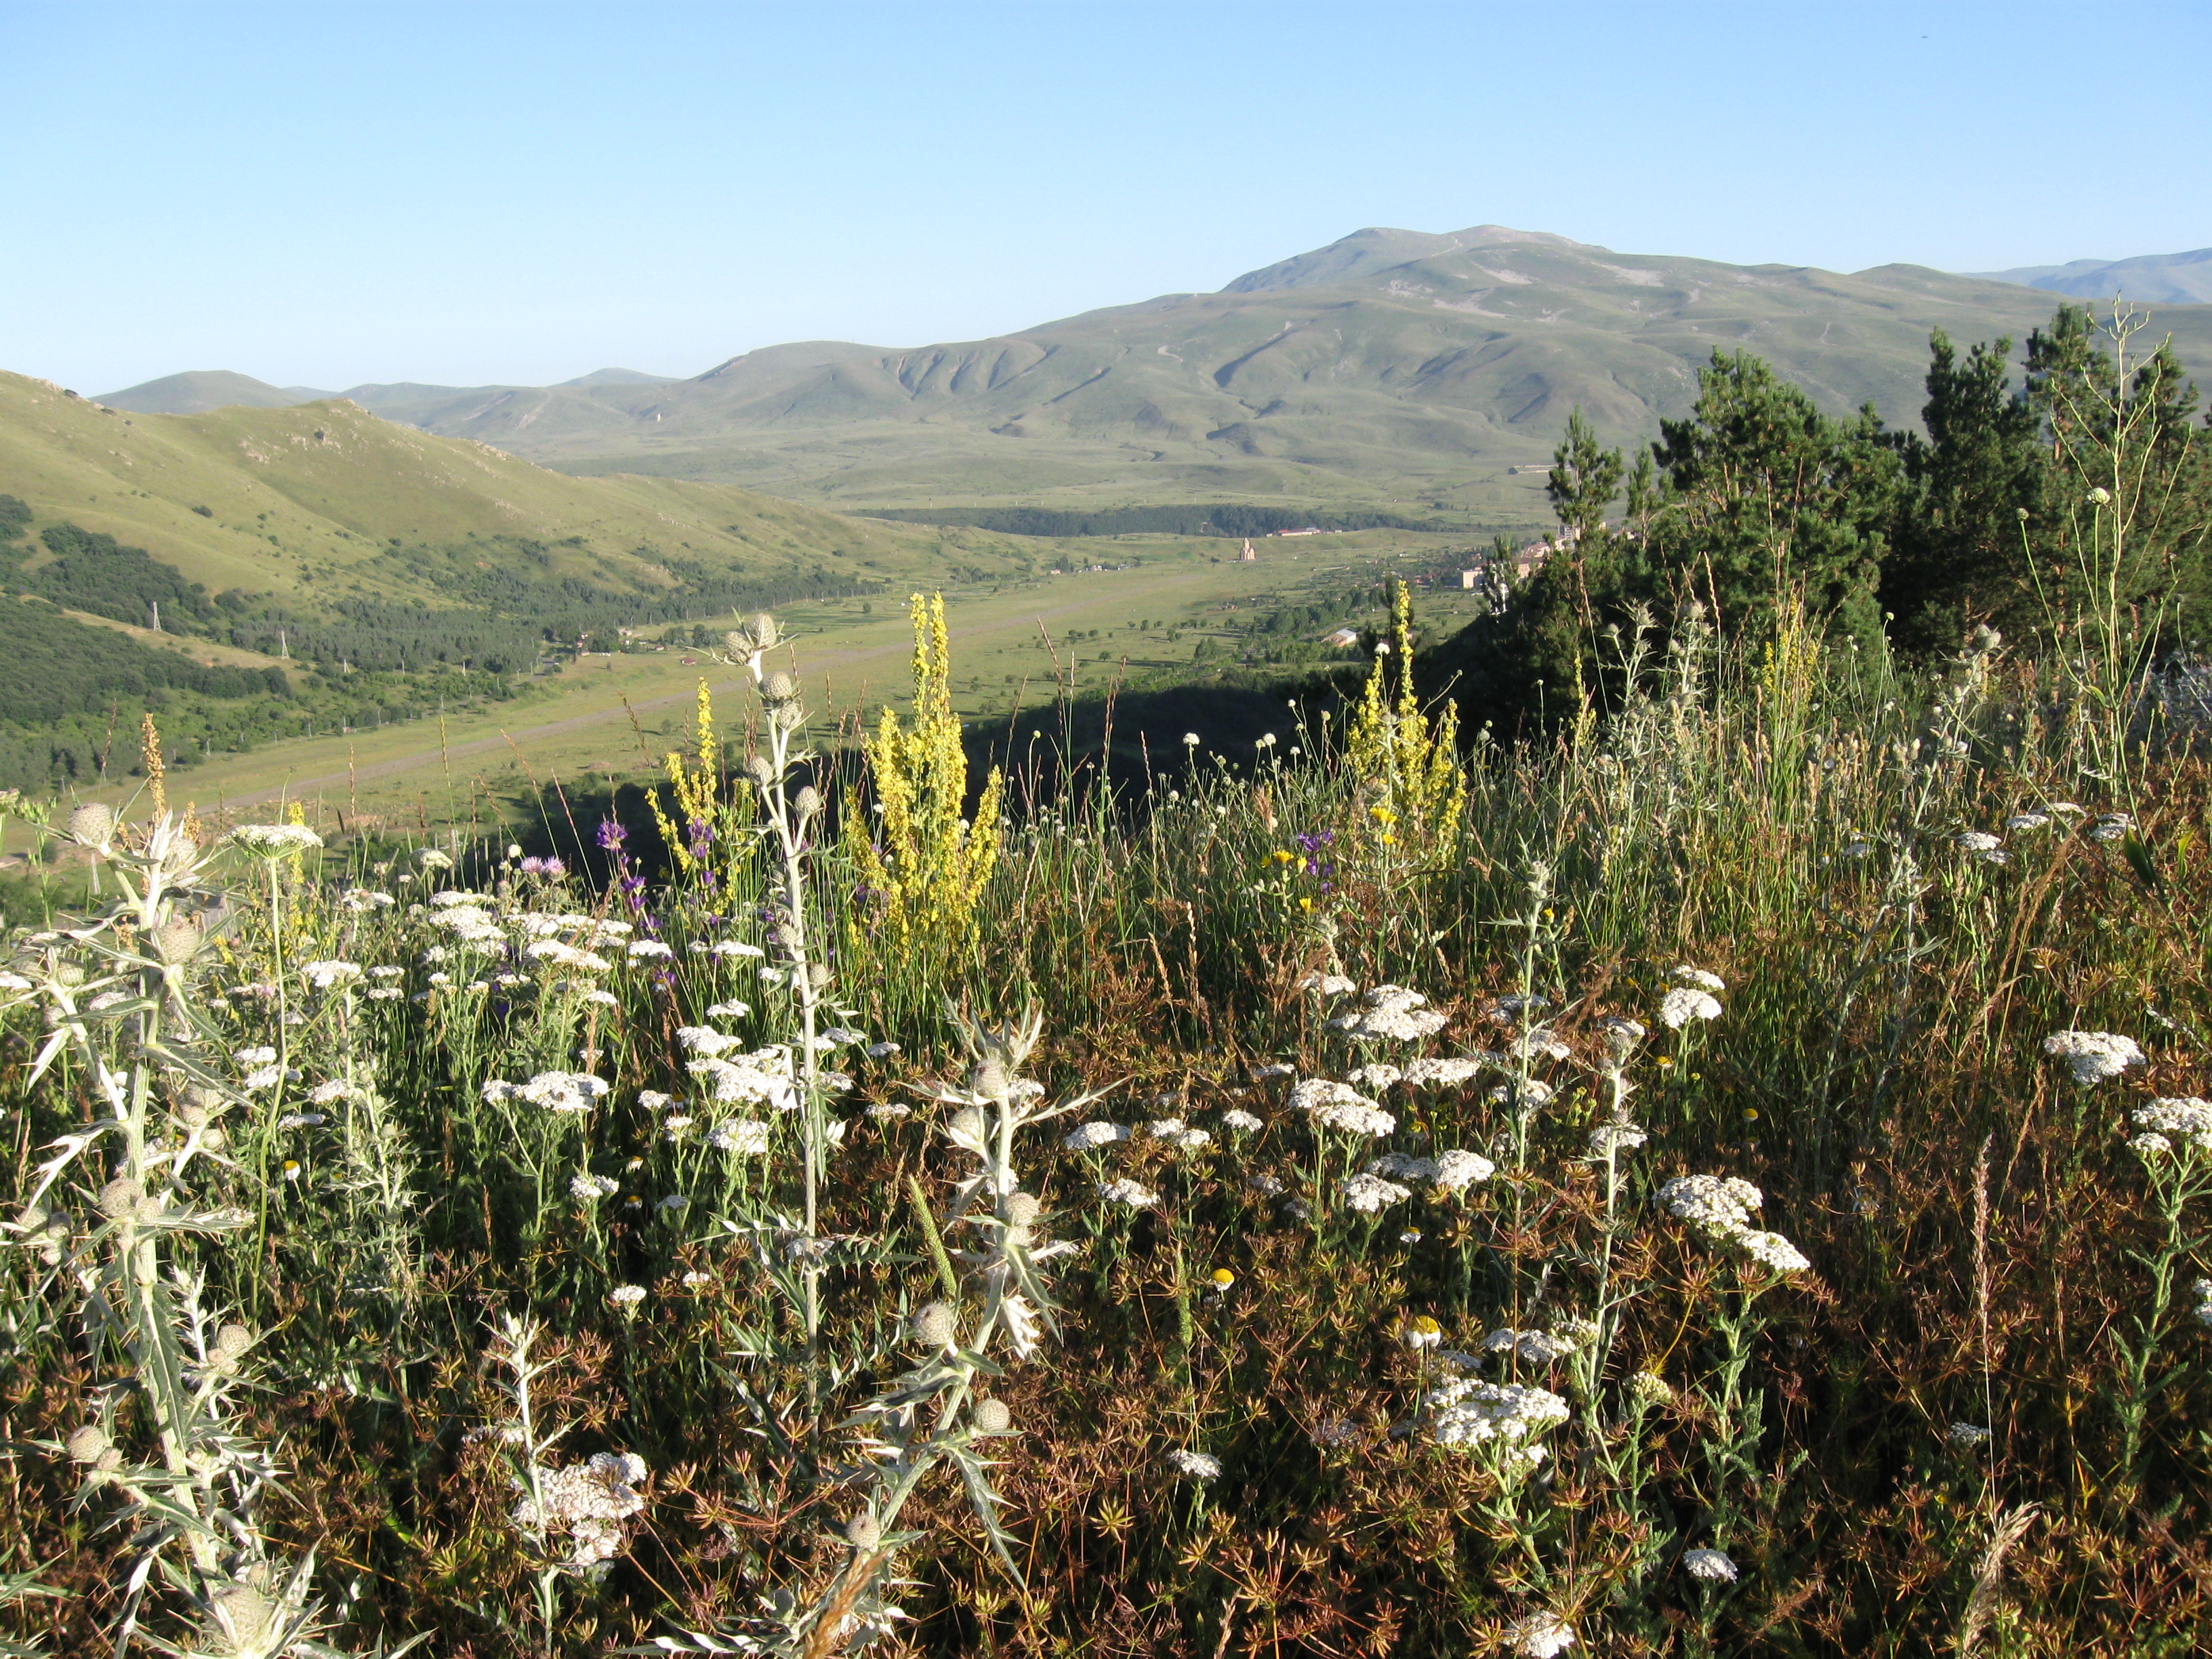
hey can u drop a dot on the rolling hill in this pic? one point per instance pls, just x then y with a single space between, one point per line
1393 369
312 503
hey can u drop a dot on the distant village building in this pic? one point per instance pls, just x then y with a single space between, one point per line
1470 579
1343 636
1248 556
1310 529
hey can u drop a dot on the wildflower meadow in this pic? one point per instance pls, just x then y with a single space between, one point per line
1731 1177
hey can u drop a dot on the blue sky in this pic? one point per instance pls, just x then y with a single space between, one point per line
327 193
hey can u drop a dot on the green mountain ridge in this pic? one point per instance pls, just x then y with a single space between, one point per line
1393 369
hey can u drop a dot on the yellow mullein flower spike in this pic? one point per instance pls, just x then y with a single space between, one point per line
928 864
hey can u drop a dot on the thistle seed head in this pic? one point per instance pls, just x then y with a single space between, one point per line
935 1324
31 1218
967 1123
862 1532
990 1080
232 1340
119 1197
178 941
87 1444
819 976
758 769
92 824
779 687
808 801
991 1416
1023 1209
764 632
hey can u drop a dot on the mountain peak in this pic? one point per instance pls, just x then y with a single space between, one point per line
198 391
1379 247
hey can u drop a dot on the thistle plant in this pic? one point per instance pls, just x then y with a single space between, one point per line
116 994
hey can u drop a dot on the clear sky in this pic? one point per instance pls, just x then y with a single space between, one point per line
323 193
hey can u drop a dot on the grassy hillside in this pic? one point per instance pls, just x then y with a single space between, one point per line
1393 368
200 389
310 502
2148 279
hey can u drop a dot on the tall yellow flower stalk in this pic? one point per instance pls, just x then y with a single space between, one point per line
925 863
1408 767
695 781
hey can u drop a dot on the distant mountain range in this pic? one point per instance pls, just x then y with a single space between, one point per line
2151 279
198 390
1391 368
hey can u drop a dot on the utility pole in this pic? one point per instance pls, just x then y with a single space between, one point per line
157 603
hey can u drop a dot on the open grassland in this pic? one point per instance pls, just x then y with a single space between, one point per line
610 717
1733 1183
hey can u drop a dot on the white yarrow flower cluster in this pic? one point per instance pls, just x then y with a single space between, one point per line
590 1188
557 1092
1719 1205
1086 1137
2093 1056
1194 1465
1239 1120
328 975
1697 978
2185 1117
1339 1106
1390 1013
1684 1004
1967 1434
588 1501
747 1137
1530 1347
1424 1073
1610 1139
1370 1193
1540 1635
1464 1413
1714 1566
1132 1193
1450 1170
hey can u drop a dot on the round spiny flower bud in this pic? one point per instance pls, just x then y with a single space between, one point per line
92 824
819 976
1023 1209
239 1613
193 1110
69 973
934 1324
788 936
31 1218
862 1533
737 643
991 1416
969 1122
763 631
990 1080
213 1139
87 1444
757 767
151 1208
808 801
787 716
119 1197
178 941
233 1341
779 687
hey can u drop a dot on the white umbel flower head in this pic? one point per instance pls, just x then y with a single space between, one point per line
1684 1004
2093 1056
1135 1195
1712 1566
1773 1252
1390 1013
1718 1205
1967 1434
1194 1465
1085 1137
1697 978
2185 1117
1540 1636
1468 1414
1339 1106
1370 1193
275 841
